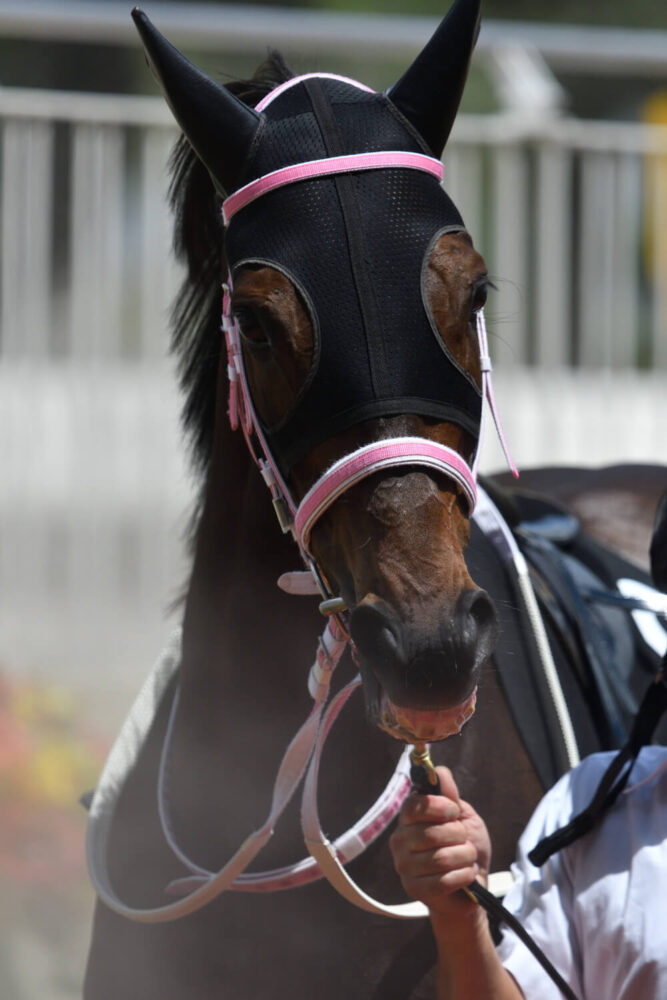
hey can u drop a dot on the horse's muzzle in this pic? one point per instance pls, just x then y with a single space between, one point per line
424 665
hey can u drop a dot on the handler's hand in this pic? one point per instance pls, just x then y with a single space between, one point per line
439 846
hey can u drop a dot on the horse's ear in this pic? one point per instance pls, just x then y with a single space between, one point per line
429 93
219 126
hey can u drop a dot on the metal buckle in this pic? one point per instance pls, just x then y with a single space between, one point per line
283 514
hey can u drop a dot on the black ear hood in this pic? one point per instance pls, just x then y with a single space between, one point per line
355 244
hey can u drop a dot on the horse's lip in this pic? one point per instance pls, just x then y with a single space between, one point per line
416 725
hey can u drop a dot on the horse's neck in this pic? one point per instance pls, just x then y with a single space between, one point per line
247 646
234 614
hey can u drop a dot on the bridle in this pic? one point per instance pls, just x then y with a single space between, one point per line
299 518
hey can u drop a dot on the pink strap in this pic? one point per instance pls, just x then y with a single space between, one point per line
324 168
379 455
277 91
328 855
241 410
348 845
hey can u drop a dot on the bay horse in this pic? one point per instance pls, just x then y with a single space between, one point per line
355 302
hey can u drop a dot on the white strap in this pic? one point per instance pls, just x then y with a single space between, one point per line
329 856
299 582
320 848
202 885
489 519
487 393
293 765
348 845
290 773
122 758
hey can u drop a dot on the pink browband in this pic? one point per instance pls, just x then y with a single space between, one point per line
371 458
325 168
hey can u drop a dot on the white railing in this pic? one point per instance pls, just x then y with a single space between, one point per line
84 266
571 217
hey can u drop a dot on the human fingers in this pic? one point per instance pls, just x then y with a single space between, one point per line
428 809
439 861
420 837
434 889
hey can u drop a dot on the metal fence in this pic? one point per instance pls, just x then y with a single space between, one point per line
571 217
85 268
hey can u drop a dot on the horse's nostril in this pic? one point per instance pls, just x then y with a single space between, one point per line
477 623
388 639
373 632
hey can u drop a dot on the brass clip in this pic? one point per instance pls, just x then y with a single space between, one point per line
420 756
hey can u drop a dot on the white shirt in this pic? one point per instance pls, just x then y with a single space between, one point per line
598 909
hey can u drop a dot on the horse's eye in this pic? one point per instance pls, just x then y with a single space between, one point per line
252 330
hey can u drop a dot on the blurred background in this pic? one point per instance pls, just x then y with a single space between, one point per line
558 163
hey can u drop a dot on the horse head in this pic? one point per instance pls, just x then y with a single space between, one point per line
352 320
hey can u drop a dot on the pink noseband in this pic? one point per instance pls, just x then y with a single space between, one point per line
372 458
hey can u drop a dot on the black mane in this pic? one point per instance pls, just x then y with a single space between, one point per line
198 243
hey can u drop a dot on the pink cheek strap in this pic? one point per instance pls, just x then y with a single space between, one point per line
242 413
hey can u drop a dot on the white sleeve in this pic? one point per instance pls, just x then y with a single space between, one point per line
542 899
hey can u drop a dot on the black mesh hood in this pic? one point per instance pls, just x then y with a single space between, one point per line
356 246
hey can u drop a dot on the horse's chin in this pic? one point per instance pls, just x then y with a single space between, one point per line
412 725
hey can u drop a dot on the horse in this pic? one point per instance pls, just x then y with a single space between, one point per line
336 278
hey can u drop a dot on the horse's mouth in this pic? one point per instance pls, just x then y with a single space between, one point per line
417 725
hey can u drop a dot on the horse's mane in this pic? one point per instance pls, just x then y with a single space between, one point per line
198 243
